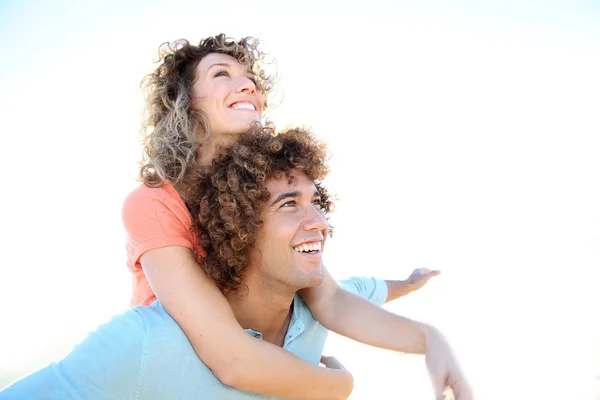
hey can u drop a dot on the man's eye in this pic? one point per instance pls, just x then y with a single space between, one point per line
319 205
221 73
290 203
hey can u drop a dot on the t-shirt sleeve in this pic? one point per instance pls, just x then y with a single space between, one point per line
372 289
154 218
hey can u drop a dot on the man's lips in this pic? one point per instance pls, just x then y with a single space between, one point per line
310 247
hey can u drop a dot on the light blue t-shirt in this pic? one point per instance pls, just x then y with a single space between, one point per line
143 354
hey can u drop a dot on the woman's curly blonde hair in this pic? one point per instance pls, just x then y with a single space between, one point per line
226 198
171 131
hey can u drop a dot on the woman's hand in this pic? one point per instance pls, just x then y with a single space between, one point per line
443 368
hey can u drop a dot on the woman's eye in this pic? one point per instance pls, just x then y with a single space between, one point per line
221 73
253 79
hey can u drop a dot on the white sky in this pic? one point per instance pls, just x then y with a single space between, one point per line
466 138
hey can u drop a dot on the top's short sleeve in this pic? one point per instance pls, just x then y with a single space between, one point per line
372 289
154 218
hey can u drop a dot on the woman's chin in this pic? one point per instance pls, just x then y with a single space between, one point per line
254 124
239 129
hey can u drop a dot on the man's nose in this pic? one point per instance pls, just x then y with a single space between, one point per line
315 220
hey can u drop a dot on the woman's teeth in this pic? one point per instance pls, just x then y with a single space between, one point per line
307 247
243 106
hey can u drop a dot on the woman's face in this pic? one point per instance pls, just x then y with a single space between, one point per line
225 91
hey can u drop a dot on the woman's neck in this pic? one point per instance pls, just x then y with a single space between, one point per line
210 148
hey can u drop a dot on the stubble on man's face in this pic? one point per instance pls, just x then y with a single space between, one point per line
290 241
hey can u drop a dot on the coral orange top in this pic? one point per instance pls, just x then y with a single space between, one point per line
154 218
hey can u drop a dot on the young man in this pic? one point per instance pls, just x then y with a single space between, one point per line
263 244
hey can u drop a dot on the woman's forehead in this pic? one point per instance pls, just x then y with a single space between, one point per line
218 59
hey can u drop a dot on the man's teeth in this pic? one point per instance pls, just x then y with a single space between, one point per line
305 248
243 106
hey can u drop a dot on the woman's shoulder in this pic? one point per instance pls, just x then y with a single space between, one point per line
143 193
154 200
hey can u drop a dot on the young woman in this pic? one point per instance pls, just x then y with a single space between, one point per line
201 97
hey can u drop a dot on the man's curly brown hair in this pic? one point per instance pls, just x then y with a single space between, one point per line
226 198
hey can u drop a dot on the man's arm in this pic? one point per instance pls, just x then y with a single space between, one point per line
105 365
381 292
417 279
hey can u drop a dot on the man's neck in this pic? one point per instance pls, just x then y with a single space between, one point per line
263 310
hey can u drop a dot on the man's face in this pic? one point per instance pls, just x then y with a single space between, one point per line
289 245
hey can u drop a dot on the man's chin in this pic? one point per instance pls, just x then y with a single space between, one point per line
316 279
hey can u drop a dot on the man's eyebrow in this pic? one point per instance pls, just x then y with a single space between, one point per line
285 196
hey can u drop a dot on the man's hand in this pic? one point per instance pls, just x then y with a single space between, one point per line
332 362
420 277
443 368
415 281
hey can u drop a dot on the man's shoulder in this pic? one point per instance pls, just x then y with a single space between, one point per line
168 349
370 288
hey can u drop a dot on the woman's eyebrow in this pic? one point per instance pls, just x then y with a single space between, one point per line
248 71
220 65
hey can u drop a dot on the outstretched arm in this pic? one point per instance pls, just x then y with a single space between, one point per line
359 319
417 279
236 358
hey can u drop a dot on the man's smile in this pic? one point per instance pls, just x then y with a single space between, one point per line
309 247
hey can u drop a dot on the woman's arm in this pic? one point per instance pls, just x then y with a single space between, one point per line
236 358
357 318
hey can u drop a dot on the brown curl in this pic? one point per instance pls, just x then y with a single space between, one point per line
226 198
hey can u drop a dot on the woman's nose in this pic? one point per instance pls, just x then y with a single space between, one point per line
246 85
